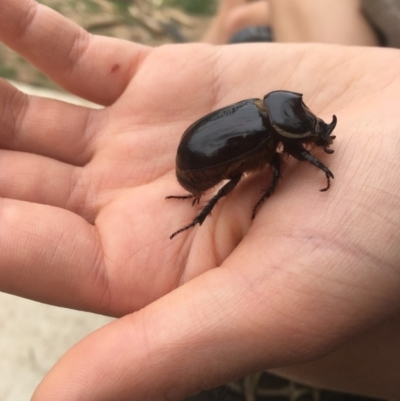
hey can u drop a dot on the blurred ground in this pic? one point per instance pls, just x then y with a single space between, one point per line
33 337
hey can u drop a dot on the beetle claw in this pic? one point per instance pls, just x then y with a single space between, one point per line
328 178
182 229
196 199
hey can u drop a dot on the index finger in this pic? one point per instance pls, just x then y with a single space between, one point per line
93 67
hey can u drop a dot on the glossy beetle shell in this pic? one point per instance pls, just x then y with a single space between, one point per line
219 142
243 137
240 129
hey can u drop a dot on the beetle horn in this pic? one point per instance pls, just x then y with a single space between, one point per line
330 138
332 125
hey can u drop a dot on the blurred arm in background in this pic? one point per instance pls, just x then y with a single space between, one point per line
324 21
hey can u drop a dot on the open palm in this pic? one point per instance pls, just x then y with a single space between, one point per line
85 223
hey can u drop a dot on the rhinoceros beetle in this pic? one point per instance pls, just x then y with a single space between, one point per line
244 137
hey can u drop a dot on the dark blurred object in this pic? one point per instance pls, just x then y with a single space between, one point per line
252 34
267 387
384 16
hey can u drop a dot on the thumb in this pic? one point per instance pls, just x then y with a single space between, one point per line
203 334
218 327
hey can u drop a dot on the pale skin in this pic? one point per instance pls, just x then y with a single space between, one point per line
84 223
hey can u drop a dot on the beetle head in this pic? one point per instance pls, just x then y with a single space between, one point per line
292 119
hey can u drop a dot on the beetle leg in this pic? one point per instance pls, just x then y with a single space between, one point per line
304 155
276 173
199 219
188 196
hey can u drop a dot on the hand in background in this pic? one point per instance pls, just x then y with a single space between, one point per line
84 223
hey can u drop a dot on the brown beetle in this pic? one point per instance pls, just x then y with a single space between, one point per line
244 137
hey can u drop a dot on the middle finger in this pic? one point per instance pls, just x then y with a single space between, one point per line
32 178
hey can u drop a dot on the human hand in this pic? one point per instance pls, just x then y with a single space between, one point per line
84 223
